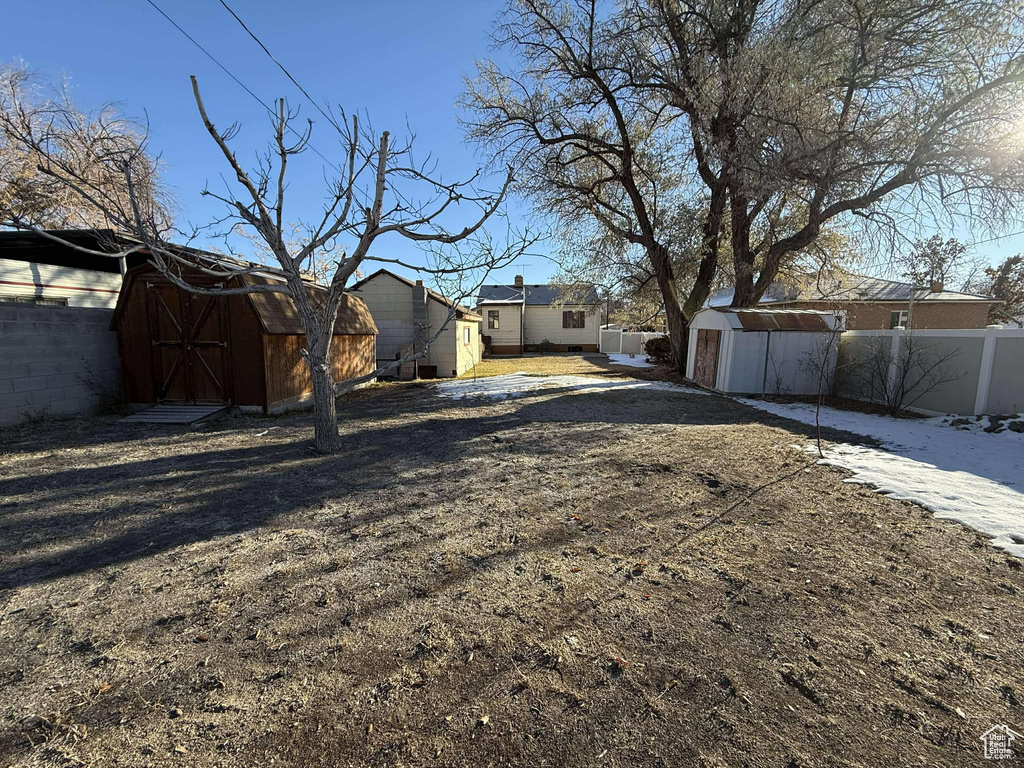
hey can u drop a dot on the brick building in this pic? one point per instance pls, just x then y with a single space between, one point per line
872 303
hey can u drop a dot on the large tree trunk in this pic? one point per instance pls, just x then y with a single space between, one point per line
673 312
325 411
742 258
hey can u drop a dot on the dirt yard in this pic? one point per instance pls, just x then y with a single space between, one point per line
557 579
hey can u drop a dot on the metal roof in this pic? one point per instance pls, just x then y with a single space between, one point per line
777 319
843 287
535 294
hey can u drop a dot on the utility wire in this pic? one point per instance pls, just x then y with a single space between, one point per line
240 83
281 66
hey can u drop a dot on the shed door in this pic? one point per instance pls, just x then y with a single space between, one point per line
705 364
189 337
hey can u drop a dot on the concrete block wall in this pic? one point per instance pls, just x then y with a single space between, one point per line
55 361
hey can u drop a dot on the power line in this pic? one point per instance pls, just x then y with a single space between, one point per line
997 237
281 66
240 83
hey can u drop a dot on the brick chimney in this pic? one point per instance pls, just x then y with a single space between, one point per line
519 281
937 286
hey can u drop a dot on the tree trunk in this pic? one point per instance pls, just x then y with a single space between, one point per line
673 312
742 258
325 411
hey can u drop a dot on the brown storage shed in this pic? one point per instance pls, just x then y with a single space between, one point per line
243 350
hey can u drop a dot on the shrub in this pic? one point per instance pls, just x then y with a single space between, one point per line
658 350
546 346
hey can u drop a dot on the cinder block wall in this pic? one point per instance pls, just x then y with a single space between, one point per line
55 361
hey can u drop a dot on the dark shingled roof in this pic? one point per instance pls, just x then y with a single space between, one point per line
536 294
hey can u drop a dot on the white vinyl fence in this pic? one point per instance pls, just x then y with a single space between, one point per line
979 371
616 342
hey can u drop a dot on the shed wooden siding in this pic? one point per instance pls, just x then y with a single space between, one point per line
81 287
287 373
545 322
245 380
262 369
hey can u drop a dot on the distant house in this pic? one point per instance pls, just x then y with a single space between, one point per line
407 314
521 318
872 303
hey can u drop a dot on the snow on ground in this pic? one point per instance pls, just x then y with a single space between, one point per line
501 387
969 476
633 361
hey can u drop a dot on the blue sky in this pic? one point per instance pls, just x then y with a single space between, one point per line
400 61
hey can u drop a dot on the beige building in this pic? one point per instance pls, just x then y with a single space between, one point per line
530 318
408 314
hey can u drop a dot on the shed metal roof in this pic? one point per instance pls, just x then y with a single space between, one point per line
777 319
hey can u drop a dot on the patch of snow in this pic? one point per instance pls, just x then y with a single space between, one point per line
634 361
501 387
969 476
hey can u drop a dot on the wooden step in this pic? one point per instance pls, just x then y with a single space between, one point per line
174 414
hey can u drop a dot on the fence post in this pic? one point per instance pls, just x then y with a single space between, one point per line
894 357
988 359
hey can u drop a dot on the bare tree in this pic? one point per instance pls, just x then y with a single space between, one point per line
898 113
1005 282
379 191
946 262
85 142
774 120
897 382
589 149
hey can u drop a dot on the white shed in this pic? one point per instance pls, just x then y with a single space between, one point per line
762 351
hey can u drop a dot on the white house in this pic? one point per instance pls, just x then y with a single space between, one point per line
407 314
527 318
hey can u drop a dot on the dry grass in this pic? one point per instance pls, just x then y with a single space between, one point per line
553 365
554 580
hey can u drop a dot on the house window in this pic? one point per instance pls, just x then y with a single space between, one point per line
37 300
898 318
465 335
574 319
492 319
